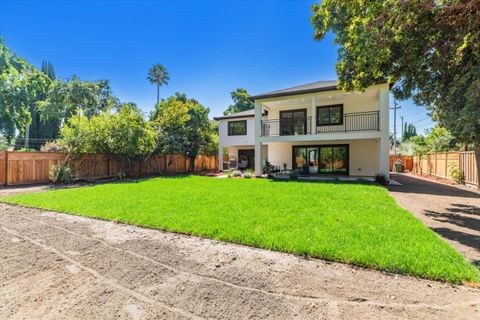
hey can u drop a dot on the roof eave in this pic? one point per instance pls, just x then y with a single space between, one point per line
292 93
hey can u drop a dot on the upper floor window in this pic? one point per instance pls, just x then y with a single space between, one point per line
237 128
330 115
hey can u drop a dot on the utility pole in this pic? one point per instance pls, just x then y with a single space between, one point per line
395 107
403 129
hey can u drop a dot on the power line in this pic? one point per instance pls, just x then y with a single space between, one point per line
420 120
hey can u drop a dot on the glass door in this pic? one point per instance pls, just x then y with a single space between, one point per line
293 122
305 159
334 159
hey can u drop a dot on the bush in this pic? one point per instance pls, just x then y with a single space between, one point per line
229 173
248 174
381 179
121 175
293 175
52 146
236 173
457 174
62 174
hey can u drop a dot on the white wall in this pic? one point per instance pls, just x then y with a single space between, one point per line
363 154
224 140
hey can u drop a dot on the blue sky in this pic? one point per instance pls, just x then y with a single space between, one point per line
208 47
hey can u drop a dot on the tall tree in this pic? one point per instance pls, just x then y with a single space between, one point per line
158 75
20 84
431 49
66 98
241 102
43 130
409 131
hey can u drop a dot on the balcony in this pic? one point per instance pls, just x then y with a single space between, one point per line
358 121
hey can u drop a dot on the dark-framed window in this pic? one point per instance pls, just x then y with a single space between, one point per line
330 115
293 122
237 128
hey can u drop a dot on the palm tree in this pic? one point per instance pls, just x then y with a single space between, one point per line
158 74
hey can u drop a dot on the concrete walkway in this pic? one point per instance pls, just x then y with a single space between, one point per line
453 212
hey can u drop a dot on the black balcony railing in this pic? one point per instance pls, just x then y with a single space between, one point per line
286 127
358 121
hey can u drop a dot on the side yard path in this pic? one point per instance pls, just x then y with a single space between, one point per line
58 266
452 212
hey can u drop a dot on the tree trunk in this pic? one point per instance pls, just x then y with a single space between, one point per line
192 164
477 160
158 93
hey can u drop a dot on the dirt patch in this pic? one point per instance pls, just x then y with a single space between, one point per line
451 211
67 267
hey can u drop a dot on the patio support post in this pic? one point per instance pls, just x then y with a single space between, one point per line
220 158
384 143
313 125
258 144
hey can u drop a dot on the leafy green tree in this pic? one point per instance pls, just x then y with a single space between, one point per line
125 134
67 98
431 49
409 130
241 102
20 84
158 75
43 130
183 126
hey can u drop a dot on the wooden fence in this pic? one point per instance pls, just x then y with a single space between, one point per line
441 164
34 167
407 162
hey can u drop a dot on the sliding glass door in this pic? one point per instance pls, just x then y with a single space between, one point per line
334 159
328 159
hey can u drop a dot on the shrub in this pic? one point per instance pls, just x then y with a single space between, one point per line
248 174
236 173
52 146
121 175
229 173
457 174
381 179
293 175
267 167
62 174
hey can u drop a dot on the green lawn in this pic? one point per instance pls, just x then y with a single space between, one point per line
354 223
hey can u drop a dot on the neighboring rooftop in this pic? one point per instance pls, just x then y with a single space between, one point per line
301 89
241 114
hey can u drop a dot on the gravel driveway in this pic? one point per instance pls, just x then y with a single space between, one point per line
453 212
57 266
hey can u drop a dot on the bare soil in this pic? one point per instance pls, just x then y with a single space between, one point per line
58 266
451 211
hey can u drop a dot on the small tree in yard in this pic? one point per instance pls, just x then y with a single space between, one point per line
431 49
125 134
183 126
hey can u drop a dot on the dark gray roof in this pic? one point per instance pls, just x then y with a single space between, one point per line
241 114
301 89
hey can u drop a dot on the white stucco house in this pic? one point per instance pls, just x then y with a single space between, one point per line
313 128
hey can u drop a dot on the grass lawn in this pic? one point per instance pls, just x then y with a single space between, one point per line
354 223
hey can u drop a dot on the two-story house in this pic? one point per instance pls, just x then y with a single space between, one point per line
313 128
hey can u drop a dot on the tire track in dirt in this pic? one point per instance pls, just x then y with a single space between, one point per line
282 295
110 282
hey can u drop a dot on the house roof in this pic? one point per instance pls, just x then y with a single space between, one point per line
301 89
241 114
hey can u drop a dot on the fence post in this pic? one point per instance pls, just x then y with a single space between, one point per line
6 168
446 165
